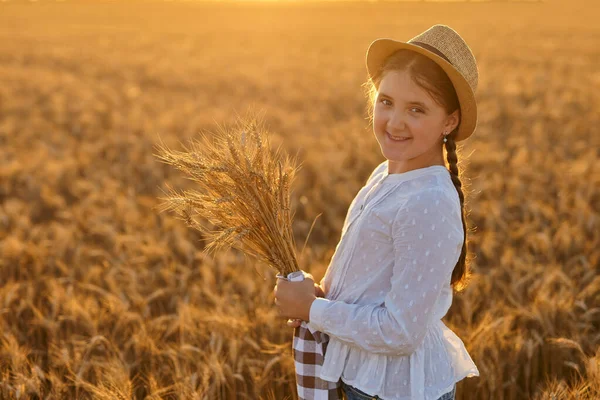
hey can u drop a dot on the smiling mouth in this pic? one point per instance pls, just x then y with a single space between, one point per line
397 138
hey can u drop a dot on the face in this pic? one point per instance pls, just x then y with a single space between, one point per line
406 111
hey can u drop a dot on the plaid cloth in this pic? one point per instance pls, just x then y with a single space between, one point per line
309 350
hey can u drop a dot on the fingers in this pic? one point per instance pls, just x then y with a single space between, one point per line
279 312
275 301
294 323
307 275
319 290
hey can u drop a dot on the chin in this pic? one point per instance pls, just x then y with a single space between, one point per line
394 156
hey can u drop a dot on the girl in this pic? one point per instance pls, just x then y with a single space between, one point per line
403 245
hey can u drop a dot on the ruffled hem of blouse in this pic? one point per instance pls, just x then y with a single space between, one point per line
464 367
369 371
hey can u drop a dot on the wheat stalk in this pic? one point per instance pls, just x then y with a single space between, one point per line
244 191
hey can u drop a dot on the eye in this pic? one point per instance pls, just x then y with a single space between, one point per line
418 109
384 100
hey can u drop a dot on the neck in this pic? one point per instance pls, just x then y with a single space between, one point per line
395 167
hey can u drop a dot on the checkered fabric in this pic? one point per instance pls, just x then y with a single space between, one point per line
309 350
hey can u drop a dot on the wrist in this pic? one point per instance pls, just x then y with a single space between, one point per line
306 316
316 313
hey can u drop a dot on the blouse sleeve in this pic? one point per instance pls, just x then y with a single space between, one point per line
427 236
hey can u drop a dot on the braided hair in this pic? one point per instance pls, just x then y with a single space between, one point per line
460 270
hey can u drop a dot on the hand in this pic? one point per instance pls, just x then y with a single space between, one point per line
294 323
295 298
318 289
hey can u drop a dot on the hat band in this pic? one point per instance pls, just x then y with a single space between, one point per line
432 49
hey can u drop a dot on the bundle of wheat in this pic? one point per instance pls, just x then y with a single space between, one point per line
244 192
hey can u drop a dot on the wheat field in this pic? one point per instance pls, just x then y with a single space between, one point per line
103 297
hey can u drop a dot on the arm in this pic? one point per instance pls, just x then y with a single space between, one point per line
427 238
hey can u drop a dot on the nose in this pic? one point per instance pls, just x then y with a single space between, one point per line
396 122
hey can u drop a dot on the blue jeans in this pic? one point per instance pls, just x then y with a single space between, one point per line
353 393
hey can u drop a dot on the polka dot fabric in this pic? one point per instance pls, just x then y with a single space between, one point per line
388 286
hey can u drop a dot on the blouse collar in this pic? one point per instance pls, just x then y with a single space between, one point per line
404 176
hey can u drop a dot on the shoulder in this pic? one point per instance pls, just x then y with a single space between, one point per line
431 188
428 196
431 202
378 170
428 216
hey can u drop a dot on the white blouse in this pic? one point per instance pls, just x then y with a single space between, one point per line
388 286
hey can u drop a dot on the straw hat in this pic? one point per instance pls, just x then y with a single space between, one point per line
446 48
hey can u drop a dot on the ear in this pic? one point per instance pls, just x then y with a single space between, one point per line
452 121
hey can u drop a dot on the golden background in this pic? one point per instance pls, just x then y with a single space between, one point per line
101 296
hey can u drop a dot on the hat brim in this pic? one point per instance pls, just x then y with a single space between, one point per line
380 49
